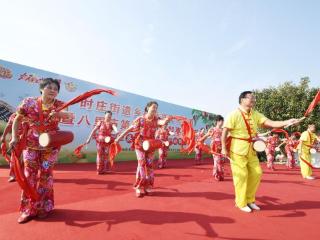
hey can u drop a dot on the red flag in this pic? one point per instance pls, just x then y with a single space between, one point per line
313 104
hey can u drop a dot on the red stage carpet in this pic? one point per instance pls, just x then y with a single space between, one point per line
187 204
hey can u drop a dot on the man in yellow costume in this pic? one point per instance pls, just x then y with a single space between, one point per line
307 142
241 126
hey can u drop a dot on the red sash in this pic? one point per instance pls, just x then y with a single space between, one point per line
306 162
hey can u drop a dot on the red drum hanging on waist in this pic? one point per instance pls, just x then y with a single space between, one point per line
55 139
151 145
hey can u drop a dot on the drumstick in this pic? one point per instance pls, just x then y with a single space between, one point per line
280 145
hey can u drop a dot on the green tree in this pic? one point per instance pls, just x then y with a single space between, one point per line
289 100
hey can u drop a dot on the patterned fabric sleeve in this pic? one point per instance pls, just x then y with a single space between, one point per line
22 109
136 124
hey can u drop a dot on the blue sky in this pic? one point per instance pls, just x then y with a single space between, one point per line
195 53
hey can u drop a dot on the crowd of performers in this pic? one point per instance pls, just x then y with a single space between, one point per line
231 140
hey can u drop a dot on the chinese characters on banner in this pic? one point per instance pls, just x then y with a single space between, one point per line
93 112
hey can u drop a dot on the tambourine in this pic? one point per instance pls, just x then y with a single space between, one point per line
55 139
259 145
153 144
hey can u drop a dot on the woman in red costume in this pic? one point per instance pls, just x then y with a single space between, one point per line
40 114
8 129
163 135
290 148
103 138
215 134
272 143
197 149
146 127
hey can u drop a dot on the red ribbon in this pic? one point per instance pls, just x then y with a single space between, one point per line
188 133
114 150
21 178
281 131
306 162
78 149
85 96
4 152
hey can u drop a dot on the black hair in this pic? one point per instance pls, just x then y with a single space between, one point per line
108 112
244 95
219 118
46 81
149 104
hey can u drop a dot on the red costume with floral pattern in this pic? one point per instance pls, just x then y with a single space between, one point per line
163 135
218 161
146 130
37 158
